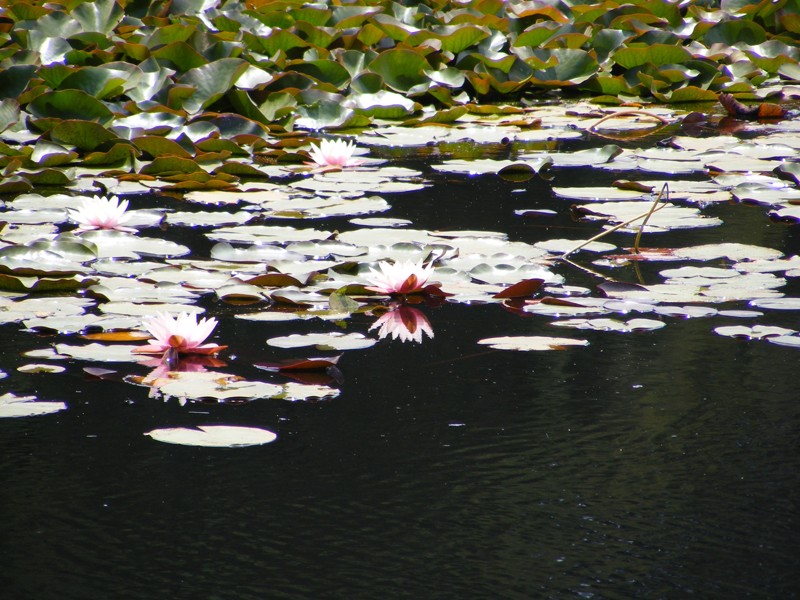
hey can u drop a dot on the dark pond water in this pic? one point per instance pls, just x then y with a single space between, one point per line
655 465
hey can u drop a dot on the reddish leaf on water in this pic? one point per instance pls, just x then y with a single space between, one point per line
274 280
555 302
522 289
117 336
624 184
765 110
301 364
434 290
330 376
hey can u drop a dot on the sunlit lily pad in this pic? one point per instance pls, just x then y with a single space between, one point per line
273 316
777 303
207 219
756 332
196 385
686 312
666 218
324 341
612 324
294 391
785 340
531 343
26 406
380 222
99 352
74 324
40 368
562 246
214 436
143 310
731 250
28 308
117 244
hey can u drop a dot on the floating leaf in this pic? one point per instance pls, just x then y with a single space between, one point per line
531 343
612 324
324 341
402 69
522 289
40 368
199 385
26 406
656 54
71 104
341 303
214 436
301 364
756 332
211 81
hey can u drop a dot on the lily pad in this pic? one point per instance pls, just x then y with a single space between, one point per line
26 406
531 343
324 341
214 436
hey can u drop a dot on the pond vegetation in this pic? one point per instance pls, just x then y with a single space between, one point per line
255 163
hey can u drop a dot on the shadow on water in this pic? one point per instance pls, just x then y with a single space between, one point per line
653 465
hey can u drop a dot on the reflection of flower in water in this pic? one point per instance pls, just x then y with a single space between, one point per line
334 153
402 277
101 213
171 362
404 322
183 334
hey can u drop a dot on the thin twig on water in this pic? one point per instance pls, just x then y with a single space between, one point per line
629 113
646 215
664 192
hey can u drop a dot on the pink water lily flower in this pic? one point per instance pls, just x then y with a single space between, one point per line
334 153
101 213
399 278
183 334
405 323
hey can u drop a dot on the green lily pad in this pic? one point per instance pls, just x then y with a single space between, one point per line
402 69
211 82
74 105
85 135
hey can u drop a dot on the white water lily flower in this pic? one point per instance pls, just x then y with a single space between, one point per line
403 277
334 153
183 334
101 213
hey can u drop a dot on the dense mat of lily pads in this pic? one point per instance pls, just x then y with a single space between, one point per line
137 291
215 106
170 90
